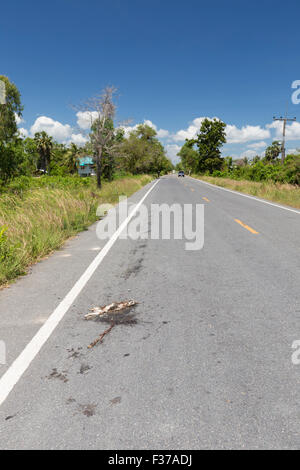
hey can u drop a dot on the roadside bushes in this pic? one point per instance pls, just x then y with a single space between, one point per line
289 172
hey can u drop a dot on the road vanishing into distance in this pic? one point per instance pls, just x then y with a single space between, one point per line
204 360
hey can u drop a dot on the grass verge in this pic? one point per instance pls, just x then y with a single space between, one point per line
38 219
277 192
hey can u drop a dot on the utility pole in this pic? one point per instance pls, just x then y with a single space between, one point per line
284 120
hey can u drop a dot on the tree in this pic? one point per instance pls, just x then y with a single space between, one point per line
188 156
109 161
291 169
11 154
246 161
255 159
30 161
44 145
228 164
210 139
273 152
9 111
142 152
158 162
11 157
101 109
72 156
132 154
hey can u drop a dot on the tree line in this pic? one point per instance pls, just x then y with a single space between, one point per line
112 151
202 155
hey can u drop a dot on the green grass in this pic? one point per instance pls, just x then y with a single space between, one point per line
287 194
38 214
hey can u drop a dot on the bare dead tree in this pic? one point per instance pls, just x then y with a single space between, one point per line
101 111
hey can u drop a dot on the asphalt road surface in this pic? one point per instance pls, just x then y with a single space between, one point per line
206 360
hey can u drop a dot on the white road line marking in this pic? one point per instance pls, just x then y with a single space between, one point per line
23 361
247 195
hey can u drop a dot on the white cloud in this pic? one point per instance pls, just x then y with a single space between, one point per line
245 134
23 132
86 118
61 132
258 145
150 124
234 134
292 130
172 150
56 129
128 129
190 132
18 119
161 133
78 139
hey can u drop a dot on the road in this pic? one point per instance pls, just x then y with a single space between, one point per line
205 364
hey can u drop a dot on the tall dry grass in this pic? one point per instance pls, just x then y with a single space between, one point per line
286 194
37 221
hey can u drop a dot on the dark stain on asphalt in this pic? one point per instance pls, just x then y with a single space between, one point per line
88 410
115 401
126 355
9 417
133 270
74 353
138 247
70 400
58 375
84 368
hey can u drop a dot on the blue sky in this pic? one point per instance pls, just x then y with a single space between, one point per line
172 61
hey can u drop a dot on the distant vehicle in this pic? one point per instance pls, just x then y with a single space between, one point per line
180 173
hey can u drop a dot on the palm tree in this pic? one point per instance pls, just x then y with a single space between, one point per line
272 152
44 145
72 157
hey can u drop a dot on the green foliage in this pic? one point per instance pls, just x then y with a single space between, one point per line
10 152
8 125
291 169
143 153
273 152
209 141
207 159
29 163
23 183
44 146
189 158
5 250
261 170
11 157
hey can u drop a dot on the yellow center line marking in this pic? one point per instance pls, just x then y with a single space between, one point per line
246 226
205 199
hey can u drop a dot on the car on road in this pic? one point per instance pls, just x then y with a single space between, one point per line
180 173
